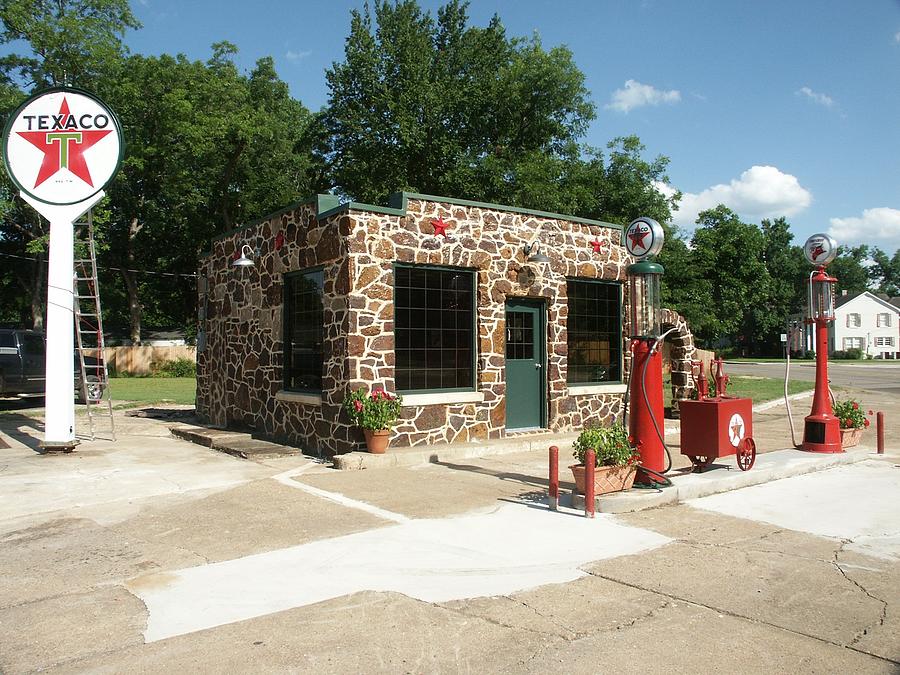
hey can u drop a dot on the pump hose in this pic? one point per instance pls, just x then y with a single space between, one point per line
787 404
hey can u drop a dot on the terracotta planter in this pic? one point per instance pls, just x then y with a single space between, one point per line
606 478
850 437
377 440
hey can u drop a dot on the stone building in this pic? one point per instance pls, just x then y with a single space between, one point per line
442 300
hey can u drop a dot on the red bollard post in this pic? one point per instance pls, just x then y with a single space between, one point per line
590 459
879 426
554 478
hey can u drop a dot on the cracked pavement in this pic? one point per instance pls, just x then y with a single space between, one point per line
729 593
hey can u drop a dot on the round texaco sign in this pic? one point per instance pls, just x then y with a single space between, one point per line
644 238
736 429
62 146
820 249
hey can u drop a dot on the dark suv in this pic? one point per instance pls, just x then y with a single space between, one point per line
23 362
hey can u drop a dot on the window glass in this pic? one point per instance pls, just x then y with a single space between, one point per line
7 340
595 332
434 328
303 331
33 344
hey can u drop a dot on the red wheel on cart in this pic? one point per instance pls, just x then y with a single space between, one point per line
746 454
700 463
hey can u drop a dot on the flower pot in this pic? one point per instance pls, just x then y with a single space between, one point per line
850 437
377 440
606 478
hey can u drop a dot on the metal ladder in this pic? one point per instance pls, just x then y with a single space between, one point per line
89 334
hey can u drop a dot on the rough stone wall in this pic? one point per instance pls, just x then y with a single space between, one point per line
240 369
491 243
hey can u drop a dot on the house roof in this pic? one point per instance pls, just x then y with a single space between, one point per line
895 301
845 299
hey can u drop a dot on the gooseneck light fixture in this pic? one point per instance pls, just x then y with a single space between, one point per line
246 259
534 253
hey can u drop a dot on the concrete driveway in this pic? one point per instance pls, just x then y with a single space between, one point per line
151 554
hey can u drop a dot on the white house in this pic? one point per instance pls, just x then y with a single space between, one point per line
867 322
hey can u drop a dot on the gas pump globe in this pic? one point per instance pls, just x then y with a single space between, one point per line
822 430
643 239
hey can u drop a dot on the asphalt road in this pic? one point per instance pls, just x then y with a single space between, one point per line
881 378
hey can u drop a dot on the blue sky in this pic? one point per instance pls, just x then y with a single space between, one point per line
773 107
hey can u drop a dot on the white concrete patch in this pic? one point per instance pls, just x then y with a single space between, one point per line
287 477
509 549
858 503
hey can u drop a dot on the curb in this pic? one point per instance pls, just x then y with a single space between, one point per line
769 467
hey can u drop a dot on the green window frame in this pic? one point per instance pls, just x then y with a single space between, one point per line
304 330
435 318
594 332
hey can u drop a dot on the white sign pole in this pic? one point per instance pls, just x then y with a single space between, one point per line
59 426
60 148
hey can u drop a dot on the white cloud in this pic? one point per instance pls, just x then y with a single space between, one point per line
296 56
878 227
760 192
636 95
897 37
816 97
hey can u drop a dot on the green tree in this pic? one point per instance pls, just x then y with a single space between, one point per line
849 267
886 271
787 285
68 41
439 107
731 255
208 148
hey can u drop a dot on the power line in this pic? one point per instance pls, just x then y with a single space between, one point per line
113 269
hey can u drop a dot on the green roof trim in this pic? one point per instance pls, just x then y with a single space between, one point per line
328 205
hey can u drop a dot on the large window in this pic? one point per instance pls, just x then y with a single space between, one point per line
884 342
854 321
853 343
434 328
303 331
595 332
883 320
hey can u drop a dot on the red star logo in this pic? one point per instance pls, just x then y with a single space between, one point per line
597 244
64 147
440 227
637 238
736 429
817 251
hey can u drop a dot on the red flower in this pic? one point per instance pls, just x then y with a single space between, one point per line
866 422
855 405
358 405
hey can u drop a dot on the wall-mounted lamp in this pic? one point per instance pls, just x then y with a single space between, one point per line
246 259
533 253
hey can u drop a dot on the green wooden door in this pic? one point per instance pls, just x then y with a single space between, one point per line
525 364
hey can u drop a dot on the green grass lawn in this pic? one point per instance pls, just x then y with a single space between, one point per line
180 390
760 389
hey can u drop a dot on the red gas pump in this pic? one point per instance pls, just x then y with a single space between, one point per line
822 431
644 239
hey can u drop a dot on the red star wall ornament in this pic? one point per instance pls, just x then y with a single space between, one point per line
440 227
597 245
64 146
279 241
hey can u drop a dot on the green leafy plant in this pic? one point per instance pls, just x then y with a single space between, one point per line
376 410
176 368
850 415
611 444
